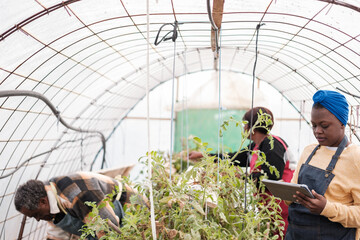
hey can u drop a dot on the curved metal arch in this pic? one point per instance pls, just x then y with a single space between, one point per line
134 15
320 33
48 88
344 4
12 93
57 52
195 50
327 1
68 33
285 53
268 56
65 3
121 17
34 17
180 75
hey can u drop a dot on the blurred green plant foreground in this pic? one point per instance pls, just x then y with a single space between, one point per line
210 200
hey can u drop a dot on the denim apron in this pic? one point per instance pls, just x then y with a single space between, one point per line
305 225
73 225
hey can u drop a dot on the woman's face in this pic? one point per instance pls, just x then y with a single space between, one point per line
327 129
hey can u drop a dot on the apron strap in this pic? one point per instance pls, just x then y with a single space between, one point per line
280 140
57 197
312 154
335 157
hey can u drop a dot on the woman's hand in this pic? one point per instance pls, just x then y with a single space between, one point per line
195 155
315 205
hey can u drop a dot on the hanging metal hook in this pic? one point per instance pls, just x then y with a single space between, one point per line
174 33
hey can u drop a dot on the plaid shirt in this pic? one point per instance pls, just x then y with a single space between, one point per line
76 189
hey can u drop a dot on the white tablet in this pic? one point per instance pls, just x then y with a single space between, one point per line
285 190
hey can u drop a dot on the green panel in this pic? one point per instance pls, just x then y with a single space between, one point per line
204 123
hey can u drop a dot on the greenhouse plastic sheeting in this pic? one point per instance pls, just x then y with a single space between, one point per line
89 59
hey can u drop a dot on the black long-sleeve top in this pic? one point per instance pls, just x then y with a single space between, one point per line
274 157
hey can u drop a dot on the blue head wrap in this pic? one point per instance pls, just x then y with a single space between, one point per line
334 102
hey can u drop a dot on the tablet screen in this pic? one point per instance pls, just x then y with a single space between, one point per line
285 190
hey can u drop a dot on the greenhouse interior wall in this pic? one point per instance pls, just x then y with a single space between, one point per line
94 85
204 123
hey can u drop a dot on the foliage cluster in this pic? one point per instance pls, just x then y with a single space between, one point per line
211 200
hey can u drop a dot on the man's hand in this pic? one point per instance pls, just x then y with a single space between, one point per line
315 205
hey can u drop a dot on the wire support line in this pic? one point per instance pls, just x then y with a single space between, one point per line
24 93
34 17
131 17
301 29
342 3
302 110
252 110
172 112
185 110
61 53
39 155
348 93
174 13
173 37
262 18
220 138
38 2
27 140
215 28
42 82
101 39
152 206
353 130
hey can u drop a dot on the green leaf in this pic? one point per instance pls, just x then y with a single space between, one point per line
102 205
197 207
195 235
222 217
166 199
187 236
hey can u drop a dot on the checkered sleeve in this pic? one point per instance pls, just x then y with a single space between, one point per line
84 187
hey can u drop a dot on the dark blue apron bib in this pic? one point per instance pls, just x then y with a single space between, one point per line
73 225
305 225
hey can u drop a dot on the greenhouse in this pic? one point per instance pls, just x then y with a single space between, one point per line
131 88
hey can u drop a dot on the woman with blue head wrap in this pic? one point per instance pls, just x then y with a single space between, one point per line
334 102
331 170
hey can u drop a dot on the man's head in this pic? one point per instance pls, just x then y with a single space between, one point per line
32 201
